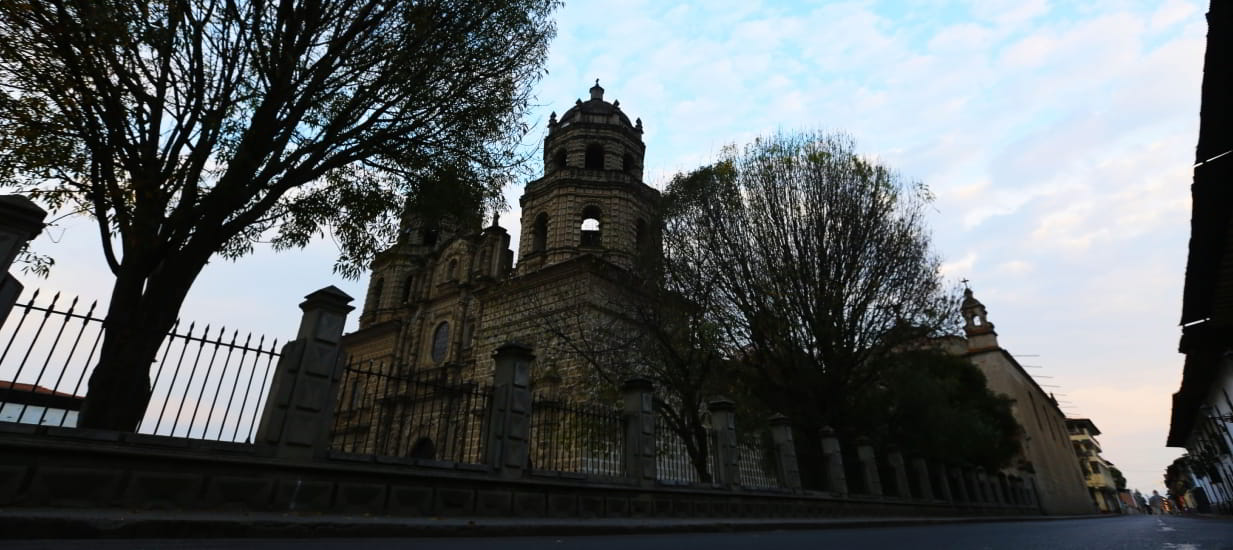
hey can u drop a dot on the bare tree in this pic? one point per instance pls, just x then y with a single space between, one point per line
819 263
647 331
190 128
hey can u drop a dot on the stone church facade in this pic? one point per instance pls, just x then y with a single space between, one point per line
447 294
1047 452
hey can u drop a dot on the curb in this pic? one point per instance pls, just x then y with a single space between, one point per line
117 525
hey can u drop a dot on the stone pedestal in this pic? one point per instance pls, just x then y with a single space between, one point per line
723 424
832 463
960 485
924 486
894 459
970 486
871 482
20 221
509 430
299 410
940 479
786 466
639 411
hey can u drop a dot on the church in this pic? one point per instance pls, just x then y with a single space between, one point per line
448 292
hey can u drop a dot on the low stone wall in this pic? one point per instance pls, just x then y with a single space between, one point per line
44 467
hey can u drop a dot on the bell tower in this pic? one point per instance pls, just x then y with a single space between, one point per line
591 199
976 325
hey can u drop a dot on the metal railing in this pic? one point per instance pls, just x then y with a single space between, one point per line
205 383
383 412
756 462
672 460
576 437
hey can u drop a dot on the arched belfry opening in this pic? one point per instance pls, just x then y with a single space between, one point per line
591 228
539 233
627 164
559 159
595 157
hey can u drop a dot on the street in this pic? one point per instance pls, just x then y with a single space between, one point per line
1130 532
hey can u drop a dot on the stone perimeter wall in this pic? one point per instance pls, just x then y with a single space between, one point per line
42 467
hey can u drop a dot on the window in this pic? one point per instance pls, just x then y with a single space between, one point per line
453 270
627 164
440 342
591 236
595 157
1095 467
429 236
640 235
558 160
539 233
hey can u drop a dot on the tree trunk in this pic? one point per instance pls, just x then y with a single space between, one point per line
142 310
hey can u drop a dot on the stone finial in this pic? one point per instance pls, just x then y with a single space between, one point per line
325 313
616 103
552 119
596 91
20 221
638 124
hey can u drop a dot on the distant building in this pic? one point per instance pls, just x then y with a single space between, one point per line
1096 470
30 404
1047 452
1202 419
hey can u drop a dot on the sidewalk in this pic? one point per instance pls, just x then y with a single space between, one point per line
63 524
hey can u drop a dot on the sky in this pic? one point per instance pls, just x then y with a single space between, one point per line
1057 137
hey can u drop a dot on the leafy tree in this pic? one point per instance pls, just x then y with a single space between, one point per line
1178 479
933 404
194 128
822 269
1118 478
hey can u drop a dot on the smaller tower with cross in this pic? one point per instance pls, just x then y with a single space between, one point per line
976 325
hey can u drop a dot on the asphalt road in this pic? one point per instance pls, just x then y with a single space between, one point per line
1122 533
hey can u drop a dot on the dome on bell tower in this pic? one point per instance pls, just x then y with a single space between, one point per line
591 199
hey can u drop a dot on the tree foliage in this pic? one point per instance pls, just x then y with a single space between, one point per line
190 128
938 405
1178 477
1119 479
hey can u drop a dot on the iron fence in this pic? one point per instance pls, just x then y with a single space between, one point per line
756 462
672 459
383 412
206 383
576 437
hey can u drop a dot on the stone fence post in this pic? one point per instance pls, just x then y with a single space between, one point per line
920 470
509 430
894 458
786 466
968 475
299 410
723 425
20 222
639 411
961 488
940 480
871 482
832 463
